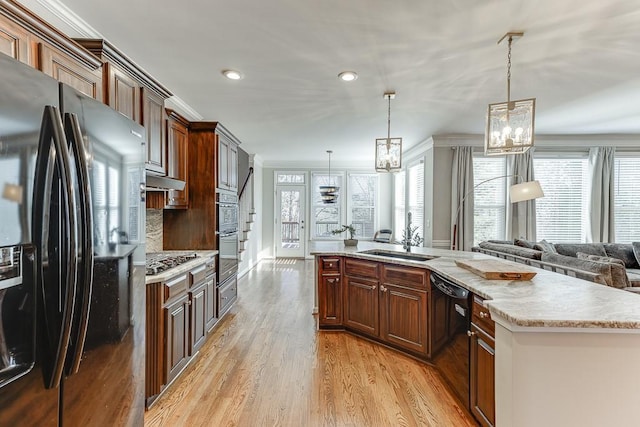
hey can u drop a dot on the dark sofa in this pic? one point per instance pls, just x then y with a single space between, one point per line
612 264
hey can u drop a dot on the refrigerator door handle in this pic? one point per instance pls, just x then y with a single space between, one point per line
56 317
85 244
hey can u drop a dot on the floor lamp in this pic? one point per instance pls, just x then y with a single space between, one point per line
522 192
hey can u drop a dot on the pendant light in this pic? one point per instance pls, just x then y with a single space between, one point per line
388 150
510 124
329 192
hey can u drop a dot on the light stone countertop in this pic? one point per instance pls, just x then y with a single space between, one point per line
203 257
549 300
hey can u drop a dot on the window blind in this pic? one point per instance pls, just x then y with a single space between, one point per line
363 194
489 198
416 197
561 213
627 199
325 217
398 202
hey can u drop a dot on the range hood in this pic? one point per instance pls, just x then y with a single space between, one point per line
163 183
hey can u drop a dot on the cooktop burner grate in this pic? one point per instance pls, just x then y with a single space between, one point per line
159 262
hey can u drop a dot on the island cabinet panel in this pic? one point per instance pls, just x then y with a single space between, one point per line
64 69
361 268
178 159
482 367
15 41
405 276
361 305
404 317
329 291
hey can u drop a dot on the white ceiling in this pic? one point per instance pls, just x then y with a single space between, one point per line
580 59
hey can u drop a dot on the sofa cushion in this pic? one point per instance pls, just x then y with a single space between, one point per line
545 246
618 272
512 250
623 252
601 268
503 242
636 251
634 276
524 243
571 249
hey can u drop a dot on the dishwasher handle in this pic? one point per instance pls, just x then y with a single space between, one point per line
449 288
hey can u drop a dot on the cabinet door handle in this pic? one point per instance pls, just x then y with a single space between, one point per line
374 287
382 288
337 279
483 314
330 265
470 334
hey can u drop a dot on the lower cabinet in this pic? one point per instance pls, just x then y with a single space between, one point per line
181 311
177 337
482 366
227 295
382 301
404 319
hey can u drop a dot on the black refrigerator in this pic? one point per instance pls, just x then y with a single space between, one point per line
71 201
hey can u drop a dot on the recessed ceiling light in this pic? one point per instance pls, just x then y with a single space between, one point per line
348 76
232 74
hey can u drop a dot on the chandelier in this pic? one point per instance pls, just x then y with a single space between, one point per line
329 192
510 124
388 150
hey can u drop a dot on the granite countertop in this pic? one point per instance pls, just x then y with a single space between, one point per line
203 257
120 251
549 300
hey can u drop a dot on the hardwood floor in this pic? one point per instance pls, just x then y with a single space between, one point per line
266 365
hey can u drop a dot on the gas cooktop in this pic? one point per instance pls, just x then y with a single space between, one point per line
161 261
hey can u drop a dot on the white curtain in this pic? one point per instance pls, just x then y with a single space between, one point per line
521 216
462 199
601 200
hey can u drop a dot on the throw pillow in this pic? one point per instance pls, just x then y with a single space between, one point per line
636 250
524 243
511 250
545 246
623 251
618 272
601 268
570 249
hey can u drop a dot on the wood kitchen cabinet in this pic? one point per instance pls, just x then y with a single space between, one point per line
482 367
15 41
197 317
64 69
329 292
136 94
177 158
176 320
361 295
227 161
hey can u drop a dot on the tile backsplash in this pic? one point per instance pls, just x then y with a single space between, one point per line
154 230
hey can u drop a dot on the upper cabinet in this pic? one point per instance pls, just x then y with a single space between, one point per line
134 93
178 160
227 159
27 38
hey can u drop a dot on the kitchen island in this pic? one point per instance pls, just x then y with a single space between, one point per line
565 348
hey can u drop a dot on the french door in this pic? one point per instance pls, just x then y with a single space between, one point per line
290 215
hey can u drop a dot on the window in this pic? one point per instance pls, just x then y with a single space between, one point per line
627 200
363 194
290 178
106 194
416 197
489 198
399 208
561 213
325 217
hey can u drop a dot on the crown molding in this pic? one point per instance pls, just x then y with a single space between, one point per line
176 103
70 18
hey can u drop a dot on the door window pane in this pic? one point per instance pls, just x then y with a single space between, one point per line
290 219
290 178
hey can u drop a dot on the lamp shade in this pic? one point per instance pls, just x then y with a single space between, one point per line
525 191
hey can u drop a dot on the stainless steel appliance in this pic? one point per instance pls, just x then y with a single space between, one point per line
450 344
227 232
157 262
71 171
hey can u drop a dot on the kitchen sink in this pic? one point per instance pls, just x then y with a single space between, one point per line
400 255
